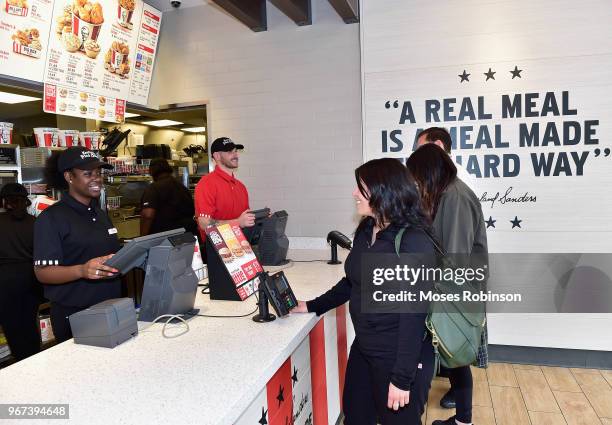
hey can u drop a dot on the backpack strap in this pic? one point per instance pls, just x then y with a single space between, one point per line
398 239
435 243
400 235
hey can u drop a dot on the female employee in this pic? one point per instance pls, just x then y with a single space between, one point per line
390 364
19 291
459 225
73 238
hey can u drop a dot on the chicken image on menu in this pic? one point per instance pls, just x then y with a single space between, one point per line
92 47
237 256
24 30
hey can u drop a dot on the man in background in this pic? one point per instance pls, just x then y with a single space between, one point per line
219 196
166 203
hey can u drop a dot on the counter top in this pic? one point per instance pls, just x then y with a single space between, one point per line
207 376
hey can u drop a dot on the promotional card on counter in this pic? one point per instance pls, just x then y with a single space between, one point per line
237 255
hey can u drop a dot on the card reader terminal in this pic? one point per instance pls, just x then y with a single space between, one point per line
279 293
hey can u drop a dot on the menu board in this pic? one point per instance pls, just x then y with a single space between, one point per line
237 256
77 103
146 48
91 46
24 31
101 47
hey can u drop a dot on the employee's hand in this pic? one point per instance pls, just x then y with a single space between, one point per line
301 307
95 268
397 398
203 221
246 219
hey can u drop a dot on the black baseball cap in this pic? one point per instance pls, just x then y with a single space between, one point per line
81 158
224 144
10 190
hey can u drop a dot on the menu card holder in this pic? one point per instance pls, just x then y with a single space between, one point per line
232 265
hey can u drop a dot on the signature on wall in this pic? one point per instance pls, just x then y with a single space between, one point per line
507 198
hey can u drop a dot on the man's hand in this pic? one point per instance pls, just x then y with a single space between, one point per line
203 221
300 308
397 398
95 268
246 219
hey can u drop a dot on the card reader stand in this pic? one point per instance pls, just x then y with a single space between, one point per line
276 290
263 314
220 282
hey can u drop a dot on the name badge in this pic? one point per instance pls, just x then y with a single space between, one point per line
112 231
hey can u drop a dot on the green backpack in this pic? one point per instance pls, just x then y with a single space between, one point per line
456 334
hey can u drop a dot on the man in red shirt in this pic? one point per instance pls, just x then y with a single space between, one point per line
219 196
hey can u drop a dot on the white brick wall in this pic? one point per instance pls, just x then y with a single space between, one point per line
291 94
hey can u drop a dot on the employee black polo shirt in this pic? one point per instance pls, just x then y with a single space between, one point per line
69 233
172 203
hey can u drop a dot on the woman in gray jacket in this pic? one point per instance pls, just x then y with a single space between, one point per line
459 225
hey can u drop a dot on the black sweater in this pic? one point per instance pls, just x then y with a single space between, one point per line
392 336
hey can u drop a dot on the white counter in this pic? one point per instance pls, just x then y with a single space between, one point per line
208 376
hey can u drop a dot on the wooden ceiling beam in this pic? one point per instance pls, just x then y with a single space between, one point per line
299 11
252 13
347 9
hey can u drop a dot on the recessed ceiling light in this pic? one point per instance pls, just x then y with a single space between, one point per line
162 123
16 98
194 129
131 115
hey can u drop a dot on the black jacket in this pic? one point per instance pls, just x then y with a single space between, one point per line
392 337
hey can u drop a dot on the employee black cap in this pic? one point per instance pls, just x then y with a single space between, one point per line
81 158
224 144
14 190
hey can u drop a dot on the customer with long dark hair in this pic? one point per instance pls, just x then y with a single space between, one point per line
19 290
73 238
390 364
459 225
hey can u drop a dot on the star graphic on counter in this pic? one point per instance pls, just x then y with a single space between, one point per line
280 397
309 419
516 222
464 77
490 222
263 420
516 72
294 377
490 75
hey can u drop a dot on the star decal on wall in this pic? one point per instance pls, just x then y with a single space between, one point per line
490 222
516 72
464 76
264 419
294 377
516 222
490 75
280 397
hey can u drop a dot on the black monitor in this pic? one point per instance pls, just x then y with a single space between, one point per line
134 253
170 284
268 239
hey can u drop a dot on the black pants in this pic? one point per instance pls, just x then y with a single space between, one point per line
462 387
19 321
19 301
60 322
366 390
